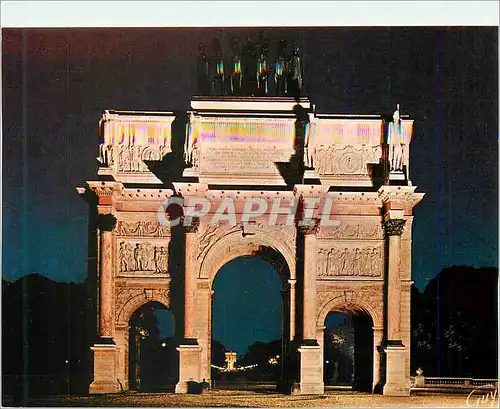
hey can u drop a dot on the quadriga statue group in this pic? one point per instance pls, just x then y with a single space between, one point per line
247 70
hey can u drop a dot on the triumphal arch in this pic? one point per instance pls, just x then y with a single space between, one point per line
325 198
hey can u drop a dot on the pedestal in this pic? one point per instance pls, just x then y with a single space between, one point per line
189 367
311 373
397 175
396 383
419 381
105 379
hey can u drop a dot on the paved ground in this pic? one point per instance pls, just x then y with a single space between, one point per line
227 398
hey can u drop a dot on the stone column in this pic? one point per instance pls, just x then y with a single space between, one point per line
105 351
189 350
292 309
309 282
378 336
320 336
107 223
311 374
396 384
203 315
190 280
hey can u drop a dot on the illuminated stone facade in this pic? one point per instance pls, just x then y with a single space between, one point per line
345 247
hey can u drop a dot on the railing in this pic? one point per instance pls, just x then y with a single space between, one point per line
244 384
462 383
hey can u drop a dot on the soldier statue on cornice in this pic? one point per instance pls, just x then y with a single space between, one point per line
235 80
203 71
262 67
249 68
280 70
294 78
395 142
218 78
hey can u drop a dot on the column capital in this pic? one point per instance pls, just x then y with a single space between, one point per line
394 227
106 222
308 226
193 226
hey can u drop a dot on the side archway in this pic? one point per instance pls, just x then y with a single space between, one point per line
352 303
152 356
367 309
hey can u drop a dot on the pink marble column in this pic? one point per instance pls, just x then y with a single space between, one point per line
309 284
378 335
190 358
292 309
394 229
106 224
396 382
190 279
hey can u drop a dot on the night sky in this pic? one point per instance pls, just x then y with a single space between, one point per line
57 83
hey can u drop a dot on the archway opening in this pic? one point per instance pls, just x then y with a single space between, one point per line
248 319
348 351
153 360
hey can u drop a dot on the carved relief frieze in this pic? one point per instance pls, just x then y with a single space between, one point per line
142 257
353 231
131 158
142 229
345 159
361 261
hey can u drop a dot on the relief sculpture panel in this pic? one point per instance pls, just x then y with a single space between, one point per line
142 229
362 261
342 160
128 143
143 257
350 231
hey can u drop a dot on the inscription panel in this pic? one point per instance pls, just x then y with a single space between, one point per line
242 159
228 148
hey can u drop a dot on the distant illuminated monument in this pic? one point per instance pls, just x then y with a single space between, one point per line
325 198
230 360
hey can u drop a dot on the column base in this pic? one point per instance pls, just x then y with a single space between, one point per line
181 387
104 387
105 379
311 373
396 383
189 368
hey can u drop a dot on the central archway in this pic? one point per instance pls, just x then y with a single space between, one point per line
248 319
262 245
